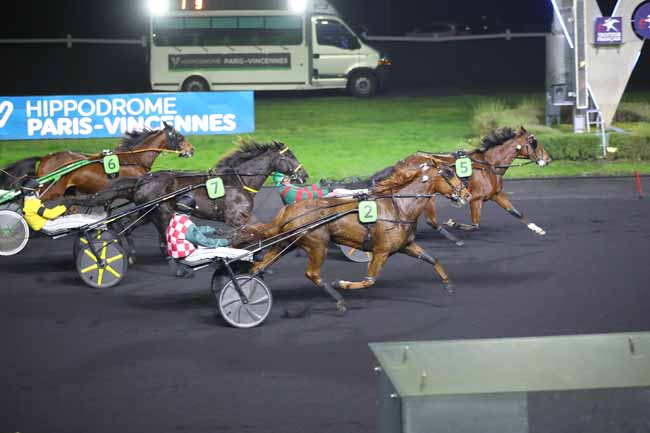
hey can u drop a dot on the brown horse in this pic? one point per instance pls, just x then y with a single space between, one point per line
137 152
490 162
398 206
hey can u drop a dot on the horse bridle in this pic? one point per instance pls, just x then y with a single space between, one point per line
447 174
532 145
174 139
294 174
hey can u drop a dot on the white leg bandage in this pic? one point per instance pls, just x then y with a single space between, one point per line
535 228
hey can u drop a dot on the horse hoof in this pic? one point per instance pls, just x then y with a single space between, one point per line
448 286
450 223
341 307
460 243
338 285
131 260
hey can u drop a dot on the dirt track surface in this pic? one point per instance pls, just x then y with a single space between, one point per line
152 355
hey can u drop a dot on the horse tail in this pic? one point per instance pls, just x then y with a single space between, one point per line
11 175
248 234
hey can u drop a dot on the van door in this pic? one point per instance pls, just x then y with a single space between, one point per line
335 49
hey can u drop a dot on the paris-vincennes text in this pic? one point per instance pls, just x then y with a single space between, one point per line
57 117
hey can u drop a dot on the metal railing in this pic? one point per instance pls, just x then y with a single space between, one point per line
506 35
69 41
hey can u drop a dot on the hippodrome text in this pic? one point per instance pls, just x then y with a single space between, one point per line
111 115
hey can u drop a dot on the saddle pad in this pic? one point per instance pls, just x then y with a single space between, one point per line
69 222
207 254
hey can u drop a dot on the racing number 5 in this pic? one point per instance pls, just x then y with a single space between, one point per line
464 167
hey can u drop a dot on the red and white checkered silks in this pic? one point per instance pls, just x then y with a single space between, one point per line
177 246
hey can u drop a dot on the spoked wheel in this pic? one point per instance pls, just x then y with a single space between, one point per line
14 233
99 235
232 307
104 271
355 254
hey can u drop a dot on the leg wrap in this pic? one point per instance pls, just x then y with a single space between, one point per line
515 213
332 292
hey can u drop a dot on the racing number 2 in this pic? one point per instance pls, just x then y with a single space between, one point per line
367 211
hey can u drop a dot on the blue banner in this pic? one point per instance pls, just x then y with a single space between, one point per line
85 116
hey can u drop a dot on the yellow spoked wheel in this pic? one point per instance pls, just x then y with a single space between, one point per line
356 255
107 268
99 235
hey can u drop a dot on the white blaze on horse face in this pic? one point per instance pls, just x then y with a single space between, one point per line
425 178
541 163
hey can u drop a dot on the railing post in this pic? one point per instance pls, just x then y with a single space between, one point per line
68 38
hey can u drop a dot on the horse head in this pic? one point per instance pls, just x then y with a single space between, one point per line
447 183
286 163
175 141
529 148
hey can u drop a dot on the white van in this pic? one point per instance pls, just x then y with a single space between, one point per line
261 50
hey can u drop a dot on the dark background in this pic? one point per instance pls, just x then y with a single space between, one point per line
452 67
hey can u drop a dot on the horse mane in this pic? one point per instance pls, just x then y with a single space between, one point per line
133 138
246 151
496 137
396 179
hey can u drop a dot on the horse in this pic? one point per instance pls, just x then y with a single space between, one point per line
243 171
12 175
489 164
137 152
400 197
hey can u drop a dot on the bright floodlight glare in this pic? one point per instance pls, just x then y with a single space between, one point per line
157 7
298 5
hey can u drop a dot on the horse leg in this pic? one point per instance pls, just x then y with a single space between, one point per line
374 268
316 257
430 212
502 200
414 250
475 210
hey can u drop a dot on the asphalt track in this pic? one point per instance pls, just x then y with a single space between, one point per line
152 355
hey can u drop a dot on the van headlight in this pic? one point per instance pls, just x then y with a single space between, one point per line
384 60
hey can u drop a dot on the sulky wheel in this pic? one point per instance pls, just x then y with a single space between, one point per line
104 271
355 254
235 311
14 233
98 235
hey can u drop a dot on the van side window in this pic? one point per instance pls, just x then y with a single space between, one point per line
330 32
232 30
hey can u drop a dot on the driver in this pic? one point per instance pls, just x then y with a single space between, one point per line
292 193
49 220
184 237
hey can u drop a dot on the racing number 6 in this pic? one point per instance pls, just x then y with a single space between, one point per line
111 164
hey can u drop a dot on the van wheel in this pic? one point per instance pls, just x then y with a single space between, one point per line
362 84
195 84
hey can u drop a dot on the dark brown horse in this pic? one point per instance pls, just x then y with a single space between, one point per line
137 152
243 171
490 162
393 232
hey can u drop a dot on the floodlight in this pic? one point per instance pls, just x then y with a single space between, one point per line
297 5
157 7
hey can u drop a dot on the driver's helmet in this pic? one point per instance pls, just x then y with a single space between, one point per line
186 204
278 177
30 187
